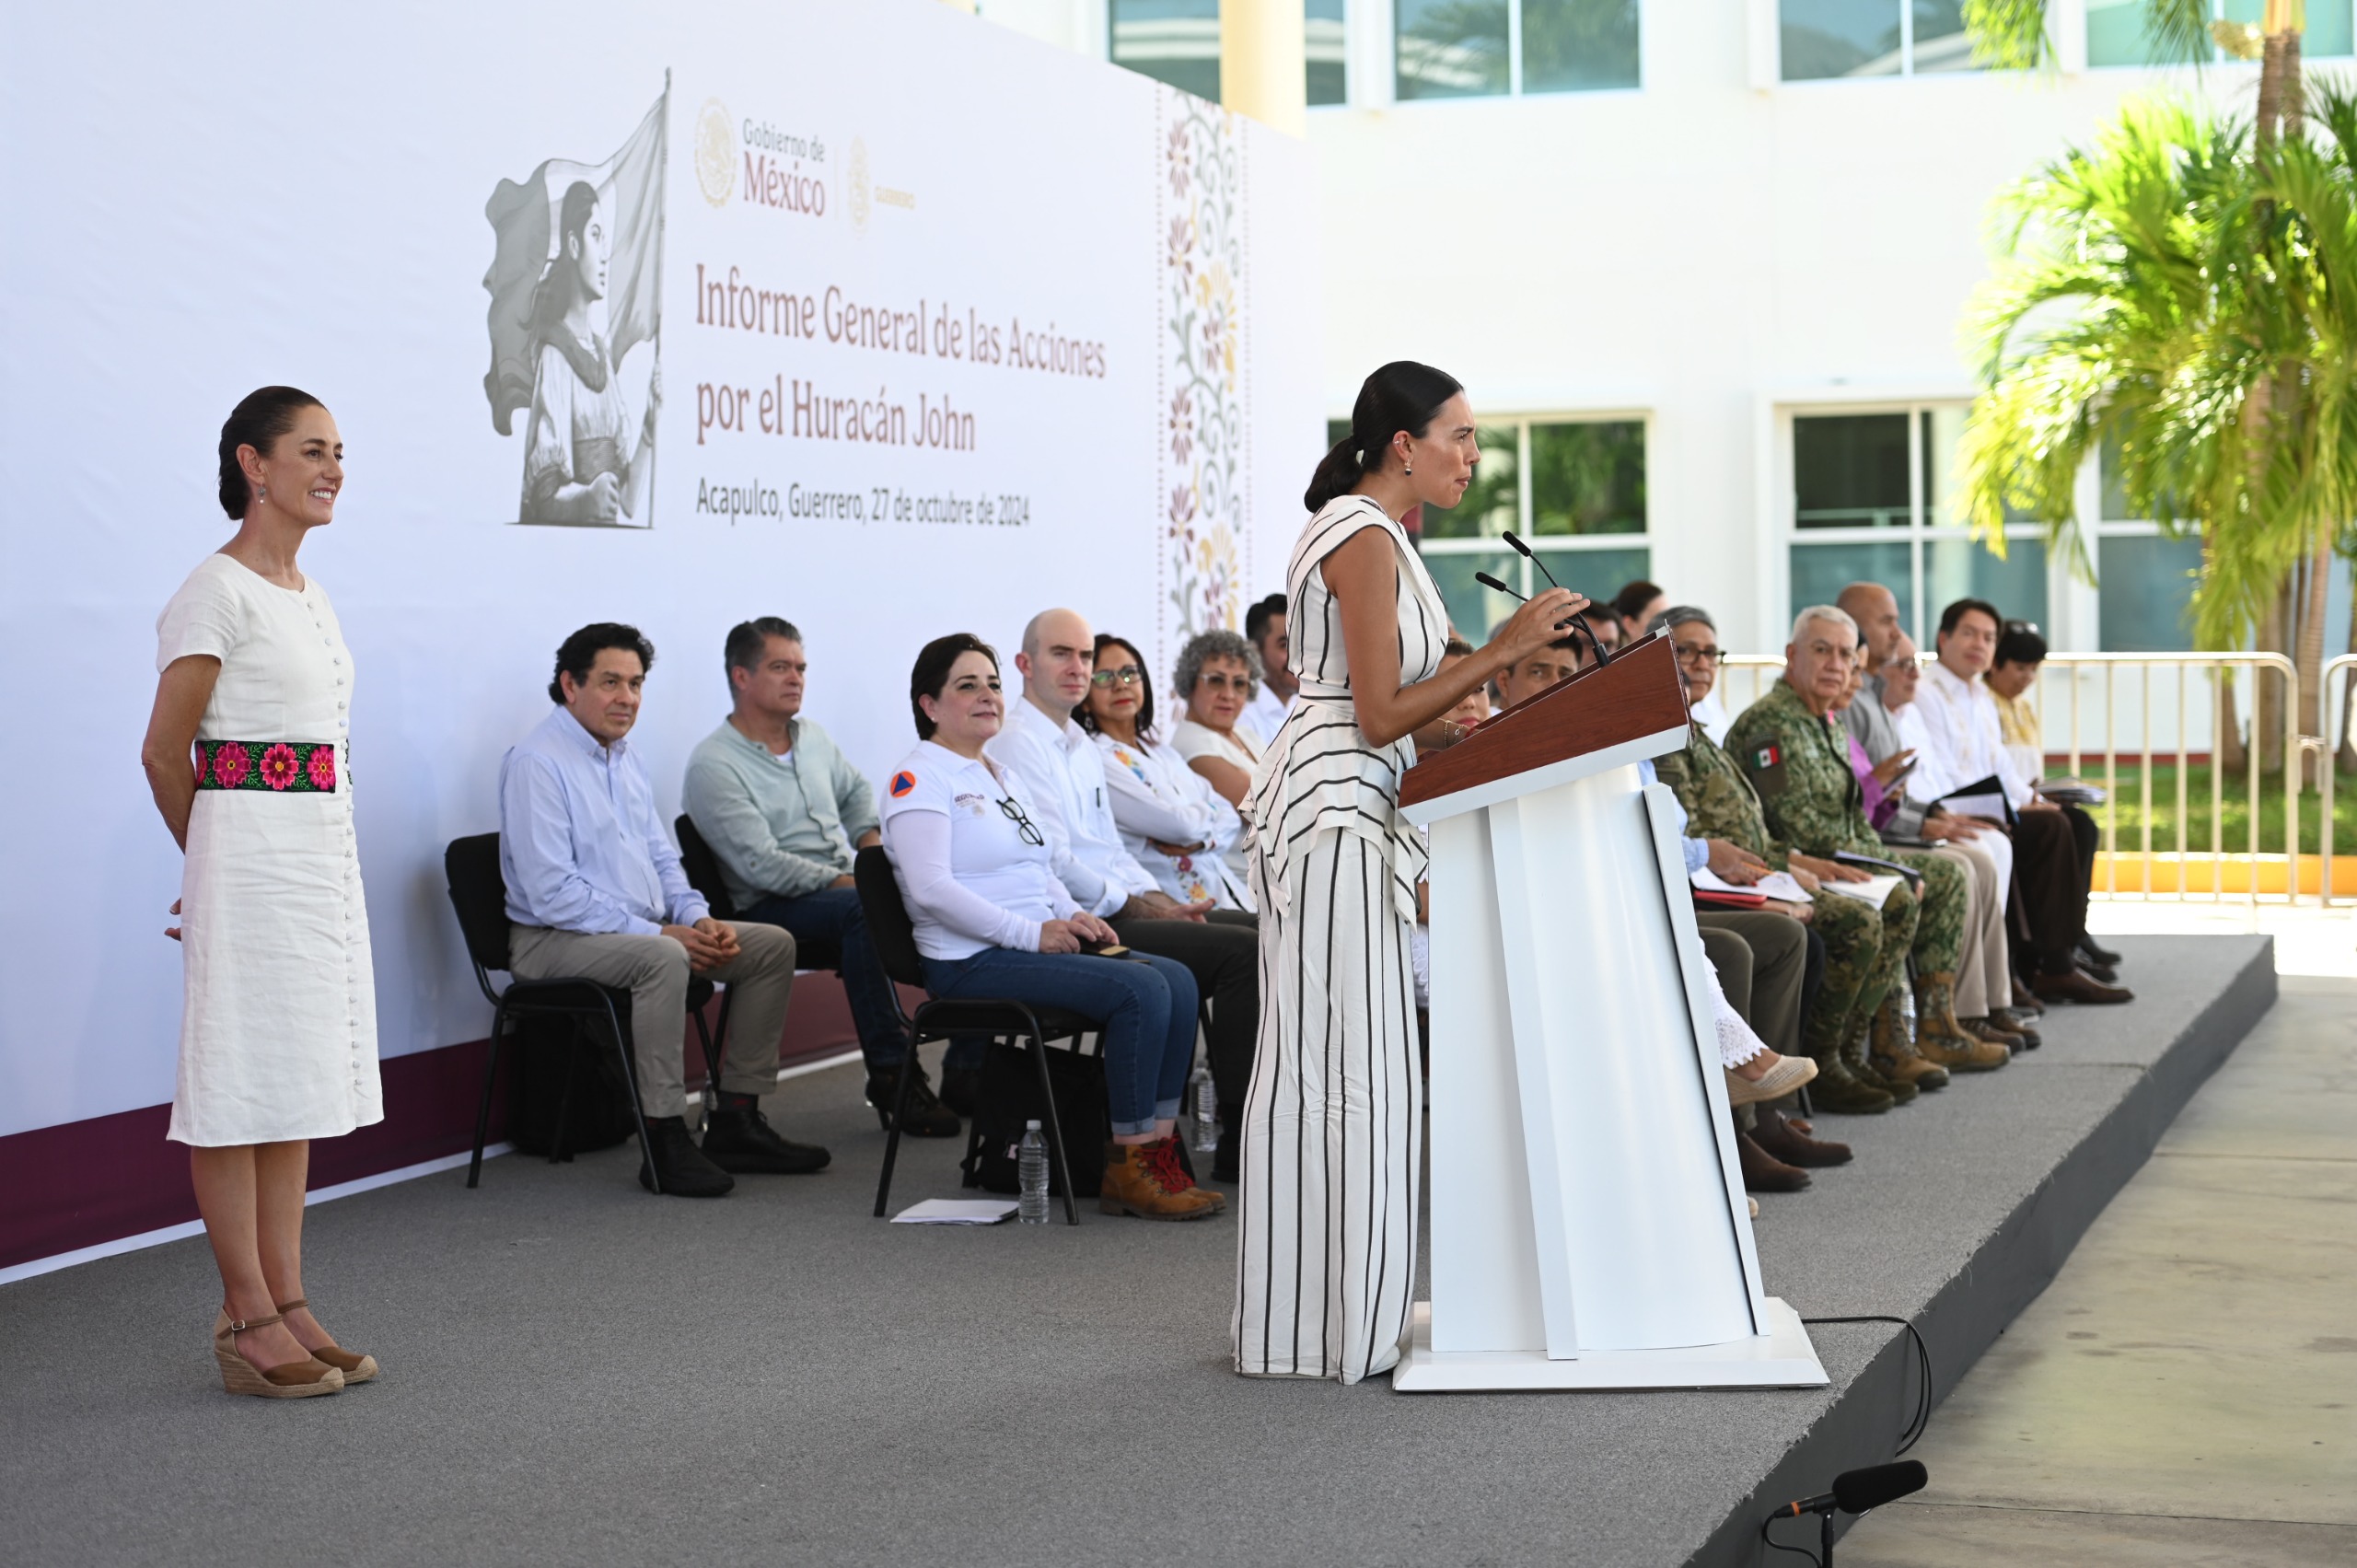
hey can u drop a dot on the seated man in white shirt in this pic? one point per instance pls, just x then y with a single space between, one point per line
594 891
1962 737
1064 772
1264 628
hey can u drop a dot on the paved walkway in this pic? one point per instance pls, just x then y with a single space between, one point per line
2186 1391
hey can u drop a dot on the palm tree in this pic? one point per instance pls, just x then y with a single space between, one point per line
2179 290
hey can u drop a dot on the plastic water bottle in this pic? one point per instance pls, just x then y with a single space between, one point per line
1906 1012
1204 1098
1031 1168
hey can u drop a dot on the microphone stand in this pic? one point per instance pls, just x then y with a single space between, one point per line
1594 642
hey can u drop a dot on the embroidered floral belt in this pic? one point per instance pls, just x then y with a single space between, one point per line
287 767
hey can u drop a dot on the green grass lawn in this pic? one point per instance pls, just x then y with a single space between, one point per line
2125 816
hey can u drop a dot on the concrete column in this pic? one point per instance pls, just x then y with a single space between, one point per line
1260 68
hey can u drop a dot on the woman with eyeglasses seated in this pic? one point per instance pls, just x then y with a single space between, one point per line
1169 817
1217 674
994 922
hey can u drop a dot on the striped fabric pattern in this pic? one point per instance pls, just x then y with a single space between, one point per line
1327 1243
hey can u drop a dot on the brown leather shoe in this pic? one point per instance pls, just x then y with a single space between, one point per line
1991 1029
2024 1000
1763 1172
1779 1136
2082 988
1144 1179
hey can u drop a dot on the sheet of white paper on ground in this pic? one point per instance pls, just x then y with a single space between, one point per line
958 1211
1873 890
1775 885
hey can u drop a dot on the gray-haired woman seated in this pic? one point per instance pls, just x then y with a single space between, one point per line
1217 674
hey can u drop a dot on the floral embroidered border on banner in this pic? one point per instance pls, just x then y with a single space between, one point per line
1204 496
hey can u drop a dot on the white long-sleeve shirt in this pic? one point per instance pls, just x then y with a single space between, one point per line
1064 776
1963 736
969 876
1157 797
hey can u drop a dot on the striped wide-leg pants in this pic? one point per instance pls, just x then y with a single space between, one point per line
1326 1250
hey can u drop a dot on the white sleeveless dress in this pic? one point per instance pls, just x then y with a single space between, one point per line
278 1033
1327 1243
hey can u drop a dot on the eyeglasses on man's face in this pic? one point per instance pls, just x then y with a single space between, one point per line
1024 828
1128 675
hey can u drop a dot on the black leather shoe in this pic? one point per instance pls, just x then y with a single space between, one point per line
744 1141
2103 974
960 1088
2098 953
681 1166
927 1116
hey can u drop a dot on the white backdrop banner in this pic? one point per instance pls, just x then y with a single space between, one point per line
874 317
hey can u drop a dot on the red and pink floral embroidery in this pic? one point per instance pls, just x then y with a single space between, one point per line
285 767
229 769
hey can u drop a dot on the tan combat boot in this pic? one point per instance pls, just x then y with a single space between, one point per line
1145 1179
1854 1056
1939 1038
1895 1056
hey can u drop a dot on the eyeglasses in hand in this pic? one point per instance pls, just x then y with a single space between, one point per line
1024 827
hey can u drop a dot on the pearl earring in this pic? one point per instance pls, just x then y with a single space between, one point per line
261 493
1408 468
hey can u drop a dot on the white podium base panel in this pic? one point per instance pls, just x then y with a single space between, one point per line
1783 1358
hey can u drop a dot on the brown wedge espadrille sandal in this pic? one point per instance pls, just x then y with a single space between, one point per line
295 1380
357 1367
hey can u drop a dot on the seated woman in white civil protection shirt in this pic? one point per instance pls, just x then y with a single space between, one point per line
1169 817
992 921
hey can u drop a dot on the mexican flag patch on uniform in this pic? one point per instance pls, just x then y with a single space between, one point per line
1767 756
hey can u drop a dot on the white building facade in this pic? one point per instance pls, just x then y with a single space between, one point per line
1702 265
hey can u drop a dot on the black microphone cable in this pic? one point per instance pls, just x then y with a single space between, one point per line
1907 1438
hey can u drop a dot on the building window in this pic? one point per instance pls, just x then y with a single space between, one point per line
1874 501
1172 40
1177 42
1323 48
2117 34
2144 579
1819 39
1495 48
1574 489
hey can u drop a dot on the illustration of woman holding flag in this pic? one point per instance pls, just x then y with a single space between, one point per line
578 463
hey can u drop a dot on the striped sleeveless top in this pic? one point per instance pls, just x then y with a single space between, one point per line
1320 774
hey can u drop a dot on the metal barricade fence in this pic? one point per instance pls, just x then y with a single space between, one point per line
2079 701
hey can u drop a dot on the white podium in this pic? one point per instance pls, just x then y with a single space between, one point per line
1588 1223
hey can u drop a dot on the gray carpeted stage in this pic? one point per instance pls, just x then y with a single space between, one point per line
579 1373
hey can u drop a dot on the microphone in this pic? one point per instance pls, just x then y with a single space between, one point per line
1513 538
1487 581
1855 1492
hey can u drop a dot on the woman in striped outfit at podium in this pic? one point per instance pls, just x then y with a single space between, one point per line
1326 1254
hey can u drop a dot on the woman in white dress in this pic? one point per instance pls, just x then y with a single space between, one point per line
1170 820
1326 1253
247 753
1217 674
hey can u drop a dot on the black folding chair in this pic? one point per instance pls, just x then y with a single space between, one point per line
895 936
702 867
478 895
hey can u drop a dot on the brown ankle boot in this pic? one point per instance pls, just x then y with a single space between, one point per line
1145 1179
1837 1091
1895 1056
1939 1038
1854 1056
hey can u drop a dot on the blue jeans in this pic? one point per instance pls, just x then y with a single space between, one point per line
1147 1003
833 914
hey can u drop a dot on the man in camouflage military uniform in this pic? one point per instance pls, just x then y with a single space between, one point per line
1798 759
1866 949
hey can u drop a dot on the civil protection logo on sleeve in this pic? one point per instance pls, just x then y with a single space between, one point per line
902 782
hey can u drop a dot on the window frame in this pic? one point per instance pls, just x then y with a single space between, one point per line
1527 579
1771 15
1385 17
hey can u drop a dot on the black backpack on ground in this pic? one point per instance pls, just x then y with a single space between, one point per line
598 1114
1008 1096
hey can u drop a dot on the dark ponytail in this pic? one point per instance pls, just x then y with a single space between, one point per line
1402 395
257 422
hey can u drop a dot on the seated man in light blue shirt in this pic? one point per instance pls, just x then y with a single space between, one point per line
782 811
594 891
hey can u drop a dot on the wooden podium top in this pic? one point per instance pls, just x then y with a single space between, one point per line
1635 696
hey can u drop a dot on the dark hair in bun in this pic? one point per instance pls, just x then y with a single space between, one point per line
258 421
1402 395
